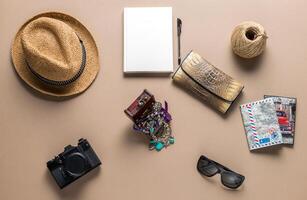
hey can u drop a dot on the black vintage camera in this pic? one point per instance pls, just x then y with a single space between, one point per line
73 163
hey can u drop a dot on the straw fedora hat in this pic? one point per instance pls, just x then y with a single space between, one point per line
55 54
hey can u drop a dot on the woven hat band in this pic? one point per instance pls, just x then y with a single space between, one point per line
65 82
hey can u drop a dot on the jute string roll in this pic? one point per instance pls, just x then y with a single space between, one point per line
248 39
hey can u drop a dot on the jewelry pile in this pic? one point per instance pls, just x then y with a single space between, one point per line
155 123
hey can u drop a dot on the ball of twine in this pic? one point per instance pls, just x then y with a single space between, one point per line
248 39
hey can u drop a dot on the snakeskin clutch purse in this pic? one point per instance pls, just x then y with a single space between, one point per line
206 81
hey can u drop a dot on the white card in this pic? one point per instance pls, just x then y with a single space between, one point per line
148 40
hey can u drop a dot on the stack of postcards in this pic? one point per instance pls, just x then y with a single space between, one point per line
270 121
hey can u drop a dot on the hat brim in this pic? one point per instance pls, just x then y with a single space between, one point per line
82 83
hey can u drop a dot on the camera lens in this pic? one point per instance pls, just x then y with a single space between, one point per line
75 164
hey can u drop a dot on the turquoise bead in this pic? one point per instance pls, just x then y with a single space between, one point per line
159 146
152 130
171 140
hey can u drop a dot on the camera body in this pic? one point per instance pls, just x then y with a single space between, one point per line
73 163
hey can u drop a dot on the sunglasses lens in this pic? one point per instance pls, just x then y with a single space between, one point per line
206 168
232 180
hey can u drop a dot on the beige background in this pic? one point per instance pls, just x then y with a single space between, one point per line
33 129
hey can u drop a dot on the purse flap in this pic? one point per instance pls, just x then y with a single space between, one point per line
210 77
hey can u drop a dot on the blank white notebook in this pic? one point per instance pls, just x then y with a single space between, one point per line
148 40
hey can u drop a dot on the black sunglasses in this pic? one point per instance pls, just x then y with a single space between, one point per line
229 178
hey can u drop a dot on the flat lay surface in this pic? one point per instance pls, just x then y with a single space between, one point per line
35 129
